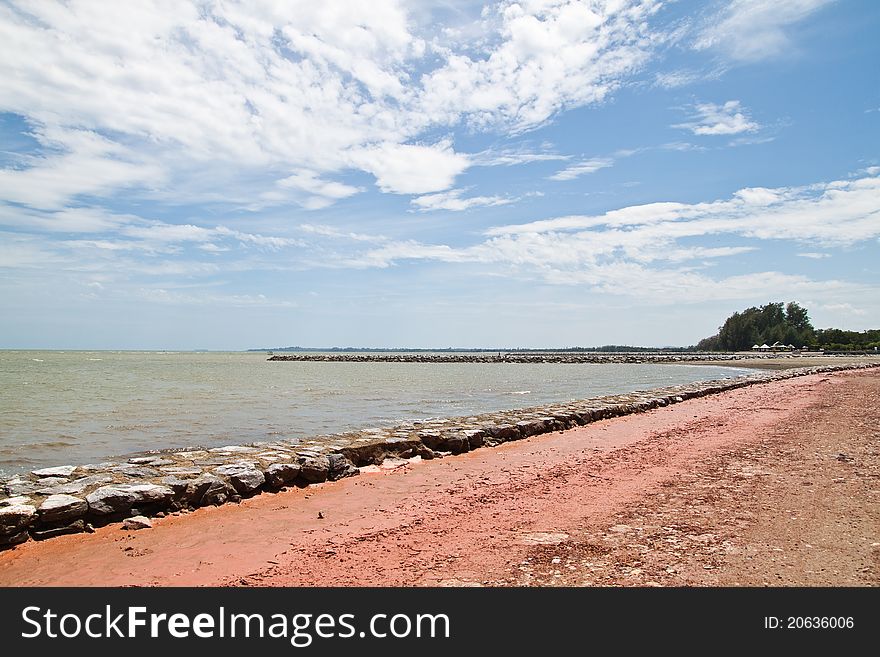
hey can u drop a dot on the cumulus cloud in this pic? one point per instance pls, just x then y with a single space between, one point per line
411 168
711 119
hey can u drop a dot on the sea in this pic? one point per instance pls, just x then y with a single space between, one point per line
78 407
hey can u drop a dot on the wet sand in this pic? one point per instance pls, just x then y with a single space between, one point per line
770 484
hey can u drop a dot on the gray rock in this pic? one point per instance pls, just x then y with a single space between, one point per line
18 486
137 522
279 475
315 469
154 461
502 433
218 492
245 478
189 492
233 449
457 444
45 482
181 471
61 508
530 427
75 527
77 485
119 498
8 540
135 471
340 467
16 517
60 471
18 499
475 437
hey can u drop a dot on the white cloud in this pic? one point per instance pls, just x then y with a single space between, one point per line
411 168
582 168
329 231
648 251
833 213
219 101
453 201
712 119
547 56
813 255
79 162
514 156
752 30
320 193
676 79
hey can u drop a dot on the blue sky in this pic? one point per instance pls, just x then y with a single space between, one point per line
180 175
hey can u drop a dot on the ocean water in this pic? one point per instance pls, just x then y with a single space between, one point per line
79 407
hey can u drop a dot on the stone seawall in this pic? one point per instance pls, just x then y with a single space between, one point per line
518 357
69 499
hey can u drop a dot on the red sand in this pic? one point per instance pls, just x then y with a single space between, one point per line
601 504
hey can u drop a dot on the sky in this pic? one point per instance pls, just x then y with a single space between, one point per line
233 175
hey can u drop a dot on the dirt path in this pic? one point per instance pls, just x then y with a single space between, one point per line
774 484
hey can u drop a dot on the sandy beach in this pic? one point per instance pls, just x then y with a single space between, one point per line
773 484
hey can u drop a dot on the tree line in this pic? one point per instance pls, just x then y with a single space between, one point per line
787 324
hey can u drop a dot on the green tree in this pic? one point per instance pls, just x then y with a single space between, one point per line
773 322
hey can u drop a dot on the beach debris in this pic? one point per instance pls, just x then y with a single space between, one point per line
320 515
137 522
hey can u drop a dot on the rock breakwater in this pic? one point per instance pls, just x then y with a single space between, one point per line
68 499
516 357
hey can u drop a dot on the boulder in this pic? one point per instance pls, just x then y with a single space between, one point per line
154 461
76 527
244 477
366 453
76 486
19 486
340 467
137 522
60 471
279 475
18 499
502 433
8 540
135 471
218 492
119 498
475 437
62 508
315 469
457 444
189 492
15 518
